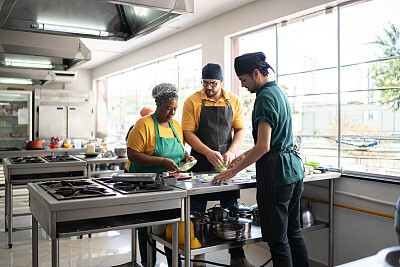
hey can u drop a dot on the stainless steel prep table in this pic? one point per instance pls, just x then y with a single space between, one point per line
198 188
20 174
91 162
91 215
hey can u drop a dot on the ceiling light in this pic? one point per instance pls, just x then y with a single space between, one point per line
61 28
15 81
23 64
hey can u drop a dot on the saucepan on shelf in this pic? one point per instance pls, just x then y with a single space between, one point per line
34 144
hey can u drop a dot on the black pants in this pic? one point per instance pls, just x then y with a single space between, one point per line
290 247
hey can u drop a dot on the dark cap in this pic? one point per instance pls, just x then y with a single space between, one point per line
247 63
212 71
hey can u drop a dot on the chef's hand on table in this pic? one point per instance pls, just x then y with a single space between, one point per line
225 175
215 158
170 165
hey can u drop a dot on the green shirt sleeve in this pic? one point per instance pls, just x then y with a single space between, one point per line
265 110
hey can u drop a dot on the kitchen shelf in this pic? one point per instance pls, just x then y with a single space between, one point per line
210 243
13 139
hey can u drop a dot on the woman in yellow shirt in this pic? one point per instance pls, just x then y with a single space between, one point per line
155 144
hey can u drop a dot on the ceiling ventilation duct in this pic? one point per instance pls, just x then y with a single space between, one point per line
41 51
100 19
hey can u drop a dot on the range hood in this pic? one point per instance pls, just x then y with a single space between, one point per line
41 51
100 19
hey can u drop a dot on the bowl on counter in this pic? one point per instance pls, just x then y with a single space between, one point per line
120 152
67 145
53 146
312 164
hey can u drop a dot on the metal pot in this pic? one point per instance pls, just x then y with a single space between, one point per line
120 152
228 231
243 221
200 221
240 210
307 216
217 213
256 213
34 144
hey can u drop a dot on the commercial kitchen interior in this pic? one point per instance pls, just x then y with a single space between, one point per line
305 41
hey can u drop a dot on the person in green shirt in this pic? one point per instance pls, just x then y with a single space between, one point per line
279 171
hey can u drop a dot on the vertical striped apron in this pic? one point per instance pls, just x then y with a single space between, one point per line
266 170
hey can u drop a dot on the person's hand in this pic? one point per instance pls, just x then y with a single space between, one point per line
223 176
170 165
189 158
235 161
215 158
228 157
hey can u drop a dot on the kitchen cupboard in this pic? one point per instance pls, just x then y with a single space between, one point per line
65 114
65 121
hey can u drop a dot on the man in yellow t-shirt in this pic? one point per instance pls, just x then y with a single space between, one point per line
213 125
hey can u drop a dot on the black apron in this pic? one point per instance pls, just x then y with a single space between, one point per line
215 131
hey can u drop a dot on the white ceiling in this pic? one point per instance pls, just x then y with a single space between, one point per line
105 50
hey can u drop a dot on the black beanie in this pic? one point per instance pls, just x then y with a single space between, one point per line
212 71
247 63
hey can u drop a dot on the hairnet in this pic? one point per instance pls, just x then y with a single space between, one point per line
164 88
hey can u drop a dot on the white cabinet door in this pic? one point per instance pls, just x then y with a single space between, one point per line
52 121
80 121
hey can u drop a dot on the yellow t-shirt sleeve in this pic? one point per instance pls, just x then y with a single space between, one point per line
188 116
140 136
238 118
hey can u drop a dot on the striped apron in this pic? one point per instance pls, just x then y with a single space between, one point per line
266 169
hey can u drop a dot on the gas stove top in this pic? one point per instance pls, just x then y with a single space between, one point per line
28 159
131 187
59 158
75 189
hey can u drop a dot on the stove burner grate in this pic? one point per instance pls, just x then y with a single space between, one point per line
132 188
24 160
75 189
59 158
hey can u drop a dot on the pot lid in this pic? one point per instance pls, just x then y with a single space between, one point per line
218 209
240 208
198 216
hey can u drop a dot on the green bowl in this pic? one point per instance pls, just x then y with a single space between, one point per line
312 164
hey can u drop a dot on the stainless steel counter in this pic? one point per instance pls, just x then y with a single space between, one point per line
85 216
43 152
92 161
197 186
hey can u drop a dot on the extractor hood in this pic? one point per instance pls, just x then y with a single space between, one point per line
24 50
100 19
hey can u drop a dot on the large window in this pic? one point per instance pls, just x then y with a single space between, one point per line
339 69
130 91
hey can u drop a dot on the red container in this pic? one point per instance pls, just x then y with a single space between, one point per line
34 144
52 146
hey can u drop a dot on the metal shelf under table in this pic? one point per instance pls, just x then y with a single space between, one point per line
210 243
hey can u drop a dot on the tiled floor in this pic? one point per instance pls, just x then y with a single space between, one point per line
103 249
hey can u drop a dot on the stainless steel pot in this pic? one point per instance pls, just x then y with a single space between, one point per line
240 210
200 221
120 152
228 231
217 213
243 221
256 213
307 216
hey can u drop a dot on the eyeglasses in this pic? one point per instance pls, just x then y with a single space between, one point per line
213 84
